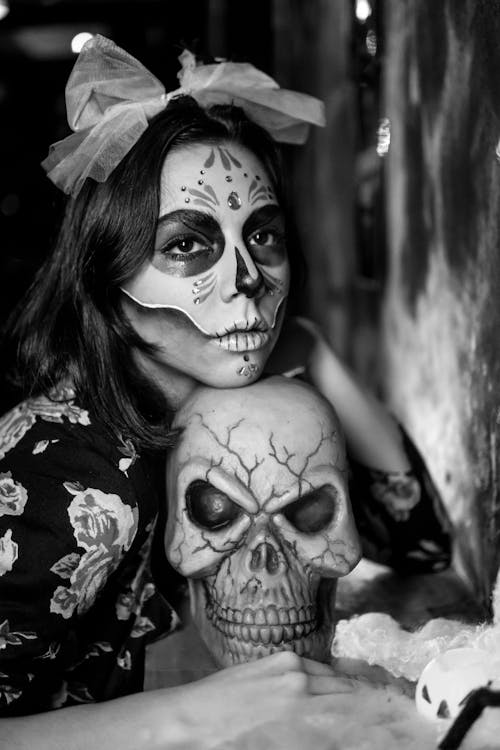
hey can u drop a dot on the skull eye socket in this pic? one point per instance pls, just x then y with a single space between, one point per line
313 512
208 507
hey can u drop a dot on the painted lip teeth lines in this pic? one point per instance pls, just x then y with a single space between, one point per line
243 341
270 625
244 335
244 326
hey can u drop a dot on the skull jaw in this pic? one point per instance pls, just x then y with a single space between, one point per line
227 651
234 643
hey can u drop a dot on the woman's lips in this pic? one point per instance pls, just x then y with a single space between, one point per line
243 341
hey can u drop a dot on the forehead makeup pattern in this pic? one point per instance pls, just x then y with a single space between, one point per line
206 196
219 166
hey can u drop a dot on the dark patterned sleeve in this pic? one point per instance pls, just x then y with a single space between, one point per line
400 516
70 529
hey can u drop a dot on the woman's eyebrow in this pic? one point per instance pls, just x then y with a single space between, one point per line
262 216
195 220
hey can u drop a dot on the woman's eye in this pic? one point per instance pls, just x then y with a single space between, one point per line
264 239
185 246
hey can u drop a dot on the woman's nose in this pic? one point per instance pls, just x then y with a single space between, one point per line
247 278
248 281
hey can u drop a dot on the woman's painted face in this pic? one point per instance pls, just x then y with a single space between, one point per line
212 295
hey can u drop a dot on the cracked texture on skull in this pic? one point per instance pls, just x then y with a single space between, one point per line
259 518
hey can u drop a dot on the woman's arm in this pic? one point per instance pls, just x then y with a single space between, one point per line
372 435
398 511
202 714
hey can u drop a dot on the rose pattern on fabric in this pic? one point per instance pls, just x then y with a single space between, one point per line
66 566
104 526
76 690
95 540
142 626
13 427
10 637
55 411
64 601
15 424
8 693
8 552
398 492
95 649
127 449
51 652
79 692
124 660
98 648
42 446
131 600
13 495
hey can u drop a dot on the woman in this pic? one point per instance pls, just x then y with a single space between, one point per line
170 270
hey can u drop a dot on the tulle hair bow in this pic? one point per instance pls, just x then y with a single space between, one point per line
110 97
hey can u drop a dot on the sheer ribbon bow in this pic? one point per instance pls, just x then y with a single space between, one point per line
110 97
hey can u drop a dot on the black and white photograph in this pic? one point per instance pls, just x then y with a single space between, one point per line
250 375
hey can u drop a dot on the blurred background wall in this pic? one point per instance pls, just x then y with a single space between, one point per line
394 202
442 304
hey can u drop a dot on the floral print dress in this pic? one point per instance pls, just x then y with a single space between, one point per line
77 518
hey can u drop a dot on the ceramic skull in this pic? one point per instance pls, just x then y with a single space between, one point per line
259 518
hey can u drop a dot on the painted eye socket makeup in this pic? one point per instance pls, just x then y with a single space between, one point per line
185 248
186 255
265 236
187 243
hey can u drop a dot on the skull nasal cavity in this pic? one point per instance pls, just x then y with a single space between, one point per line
264 557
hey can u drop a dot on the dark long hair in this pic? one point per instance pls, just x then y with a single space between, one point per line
71 324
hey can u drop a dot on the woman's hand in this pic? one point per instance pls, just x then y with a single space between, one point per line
235 700
197 716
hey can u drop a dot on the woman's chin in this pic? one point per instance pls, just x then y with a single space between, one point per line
234 374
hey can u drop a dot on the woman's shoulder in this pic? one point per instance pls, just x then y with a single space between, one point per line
33 423
51 445
39 423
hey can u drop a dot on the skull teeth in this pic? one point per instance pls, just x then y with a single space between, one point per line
243 651
262 617
265 634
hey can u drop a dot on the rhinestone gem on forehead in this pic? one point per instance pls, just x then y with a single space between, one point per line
234 201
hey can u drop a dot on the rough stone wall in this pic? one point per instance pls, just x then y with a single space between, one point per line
441 330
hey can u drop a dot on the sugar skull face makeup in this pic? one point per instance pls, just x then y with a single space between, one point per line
220 257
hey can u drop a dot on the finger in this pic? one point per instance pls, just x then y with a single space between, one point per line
282 661
311 666
327 685
275 664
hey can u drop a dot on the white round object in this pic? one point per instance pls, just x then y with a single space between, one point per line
79 40
448 679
